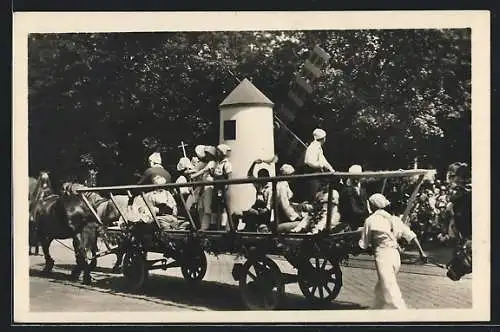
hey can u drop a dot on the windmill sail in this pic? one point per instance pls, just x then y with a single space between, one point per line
289 146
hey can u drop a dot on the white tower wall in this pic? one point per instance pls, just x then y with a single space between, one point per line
254 140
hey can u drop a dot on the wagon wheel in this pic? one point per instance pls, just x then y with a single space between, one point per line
135 269
194 266
261 284
321 280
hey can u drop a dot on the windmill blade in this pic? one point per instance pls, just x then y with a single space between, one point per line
291 146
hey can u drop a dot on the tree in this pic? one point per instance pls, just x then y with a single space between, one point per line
386 97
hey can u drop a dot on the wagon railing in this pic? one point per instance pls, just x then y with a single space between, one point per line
273 180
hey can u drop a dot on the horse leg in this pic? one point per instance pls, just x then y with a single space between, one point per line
118 263
79 257
49 262
88 247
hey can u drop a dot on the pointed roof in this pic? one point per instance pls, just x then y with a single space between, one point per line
246 94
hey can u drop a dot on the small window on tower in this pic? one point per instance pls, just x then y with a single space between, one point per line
229 129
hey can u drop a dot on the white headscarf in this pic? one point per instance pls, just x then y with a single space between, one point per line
319 134
224 149
155 158
183 164
378 201
287 169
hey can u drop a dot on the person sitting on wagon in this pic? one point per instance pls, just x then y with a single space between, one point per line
289 214
185 167
155 168
206 163
257 218
353 202
161 204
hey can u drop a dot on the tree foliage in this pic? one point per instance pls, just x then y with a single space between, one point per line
386 96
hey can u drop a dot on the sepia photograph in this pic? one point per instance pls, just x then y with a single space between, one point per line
249 167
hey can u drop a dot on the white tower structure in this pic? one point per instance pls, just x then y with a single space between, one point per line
246 126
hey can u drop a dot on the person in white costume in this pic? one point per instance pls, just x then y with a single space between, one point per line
315 162
381 232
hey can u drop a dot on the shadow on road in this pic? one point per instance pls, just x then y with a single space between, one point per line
206 294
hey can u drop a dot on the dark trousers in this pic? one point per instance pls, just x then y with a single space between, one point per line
307 189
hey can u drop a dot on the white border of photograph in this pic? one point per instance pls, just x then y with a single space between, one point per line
46 22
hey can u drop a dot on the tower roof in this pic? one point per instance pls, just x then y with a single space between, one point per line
246 94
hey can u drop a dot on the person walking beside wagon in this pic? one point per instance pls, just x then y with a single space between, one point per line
381 232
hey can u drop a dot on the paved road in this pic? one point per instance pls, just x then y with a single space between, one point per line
423 286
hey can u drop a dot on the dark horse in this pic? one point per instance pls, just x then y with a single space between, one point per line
38 190
66 216
458 176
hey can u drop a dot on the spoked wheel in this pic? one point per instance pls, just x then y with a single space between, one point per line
194 266
135 269
261 284
320 280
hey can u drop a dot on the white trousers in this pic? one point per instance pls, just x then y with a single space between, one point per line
387 292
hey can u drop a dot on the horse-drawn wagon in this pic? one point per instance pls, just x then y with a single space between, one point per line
316 257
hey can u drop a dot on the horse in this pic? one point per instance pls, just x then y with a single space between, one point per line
458 175
38 190
66 216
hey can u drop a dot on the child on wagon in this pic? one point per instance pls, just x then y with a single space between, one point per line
222 170
206 163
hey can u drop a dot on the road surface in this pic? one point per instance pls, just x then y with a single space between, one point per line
423 287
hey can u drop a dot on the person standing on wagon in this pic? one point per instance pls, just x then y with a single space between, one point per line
315 162
381 232
184 167
203 194
221 171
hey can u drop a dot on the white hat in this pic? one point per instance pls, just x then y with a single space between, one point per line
379 201
287 169
319 134
355 169
155 158
200 151
223 148
184 163
210 150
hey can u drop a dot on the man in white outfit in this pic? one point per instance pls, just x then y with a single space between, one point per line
381 232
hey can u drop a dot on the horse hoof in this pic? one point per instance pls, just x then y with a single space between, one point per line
75 274
87 280
48 269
